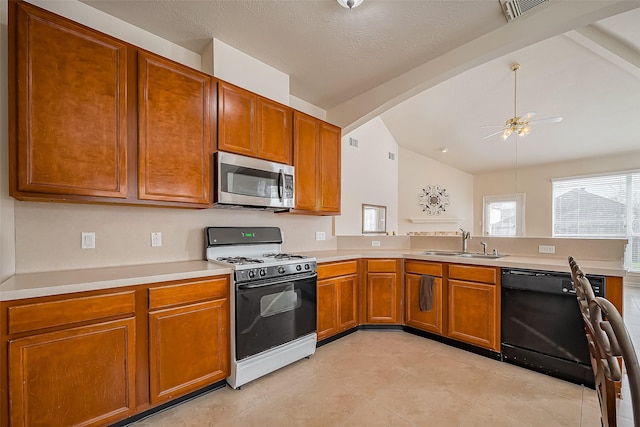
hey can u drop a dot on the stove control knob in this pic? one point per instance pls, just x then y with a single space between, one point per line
281 270
263 272
298 267
252 274
306 266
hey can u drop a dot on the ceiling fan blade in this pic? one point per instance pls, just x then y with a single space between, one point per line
492 126
549 120
527 116
494 134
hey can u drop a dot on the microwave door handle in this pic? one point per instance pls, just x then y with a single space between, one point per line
281 185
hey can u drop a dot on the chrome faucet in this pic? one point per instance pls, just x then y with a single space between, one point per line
466 235
484 248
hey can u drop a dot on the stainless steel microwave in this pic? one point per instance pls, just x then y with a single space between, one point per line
247 181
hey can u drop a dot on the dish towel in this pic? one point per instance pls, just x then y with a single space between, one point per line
426 292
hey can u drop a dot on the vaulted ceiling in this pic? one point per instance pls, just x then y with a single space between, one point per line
437 71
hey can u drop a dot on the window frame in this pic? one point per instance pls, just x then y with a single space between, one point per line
520 201
629 234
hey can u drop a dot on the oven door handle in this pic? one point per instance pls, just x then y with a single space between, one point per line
271 282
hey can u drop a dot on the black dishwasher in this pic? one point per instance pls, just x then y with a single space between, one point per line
542 326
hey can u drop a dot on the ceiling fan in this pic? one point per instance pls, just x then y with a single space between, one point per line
521 125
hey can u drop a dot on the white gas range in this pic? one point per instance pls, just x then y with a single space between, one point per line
273 300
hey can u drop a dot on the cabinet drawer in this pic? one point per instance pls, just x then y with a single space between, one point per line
186 293
474 273
336 269
430 268
42 315
384 265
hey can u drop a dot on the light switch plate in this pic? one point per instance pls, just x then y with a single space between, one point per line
88 240
320 235
375 243
546 249
156 239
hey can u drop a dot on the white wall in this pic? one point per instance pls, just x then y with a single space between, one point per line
535 183
415 173
368 176
46 236
240 69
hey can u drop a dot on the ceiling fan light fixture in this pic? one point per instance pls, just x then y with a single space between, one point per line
350 4
524 130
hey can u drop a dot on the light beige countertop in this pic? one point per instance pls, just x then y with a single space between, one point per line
606 268
31 285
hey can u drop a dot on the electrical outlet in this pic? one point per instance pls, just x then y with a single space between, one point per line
156 239
320 235
375 243
546 249
88 240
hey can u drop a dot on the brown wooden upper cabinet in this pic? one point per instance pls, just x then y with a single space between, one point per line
316 158
176 112
251 125
68 110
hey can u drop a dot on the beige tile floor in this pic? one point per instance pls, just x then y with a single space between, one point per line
392 378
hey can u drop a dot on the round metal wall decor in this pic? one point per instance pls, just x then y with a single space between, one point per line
434 200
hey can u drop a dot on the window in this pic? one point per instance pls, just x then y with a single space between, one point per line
600 206
503 215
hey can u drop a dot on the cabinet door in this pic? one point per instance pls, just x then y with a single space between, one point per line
327 297
329 165
71 109
347 302
472 313
275 131
79 376
382 301
236 120
430 321
188 348
305 152
174 127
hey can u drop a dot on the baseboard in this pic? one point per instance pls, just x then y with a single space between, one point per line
174 402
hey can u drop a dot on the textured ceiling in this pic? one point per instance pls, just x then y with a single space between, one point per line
436 71
330 53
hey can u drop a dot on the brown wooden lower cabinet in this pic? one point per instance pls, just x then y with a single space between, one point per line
187 348
79 376
337 298
188 343
383 291
474 306
431 320
95 358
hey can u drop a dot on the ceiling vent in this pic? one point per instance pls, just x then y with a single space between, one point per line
514 8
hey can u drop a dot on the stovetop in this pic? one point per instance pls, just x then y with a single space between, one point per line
260 259
254 253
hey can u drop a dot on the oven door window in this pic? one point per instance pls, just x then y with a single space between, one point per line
268 316
280 302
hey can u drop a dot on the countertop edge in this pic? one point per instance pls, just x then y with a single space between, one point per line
31 285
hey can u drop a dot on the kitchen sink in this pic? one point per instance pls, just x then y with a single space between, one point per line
463 254
474 255
443 253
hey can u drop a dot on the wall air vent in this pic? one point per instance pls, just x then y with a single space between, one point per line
514 8
353 142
